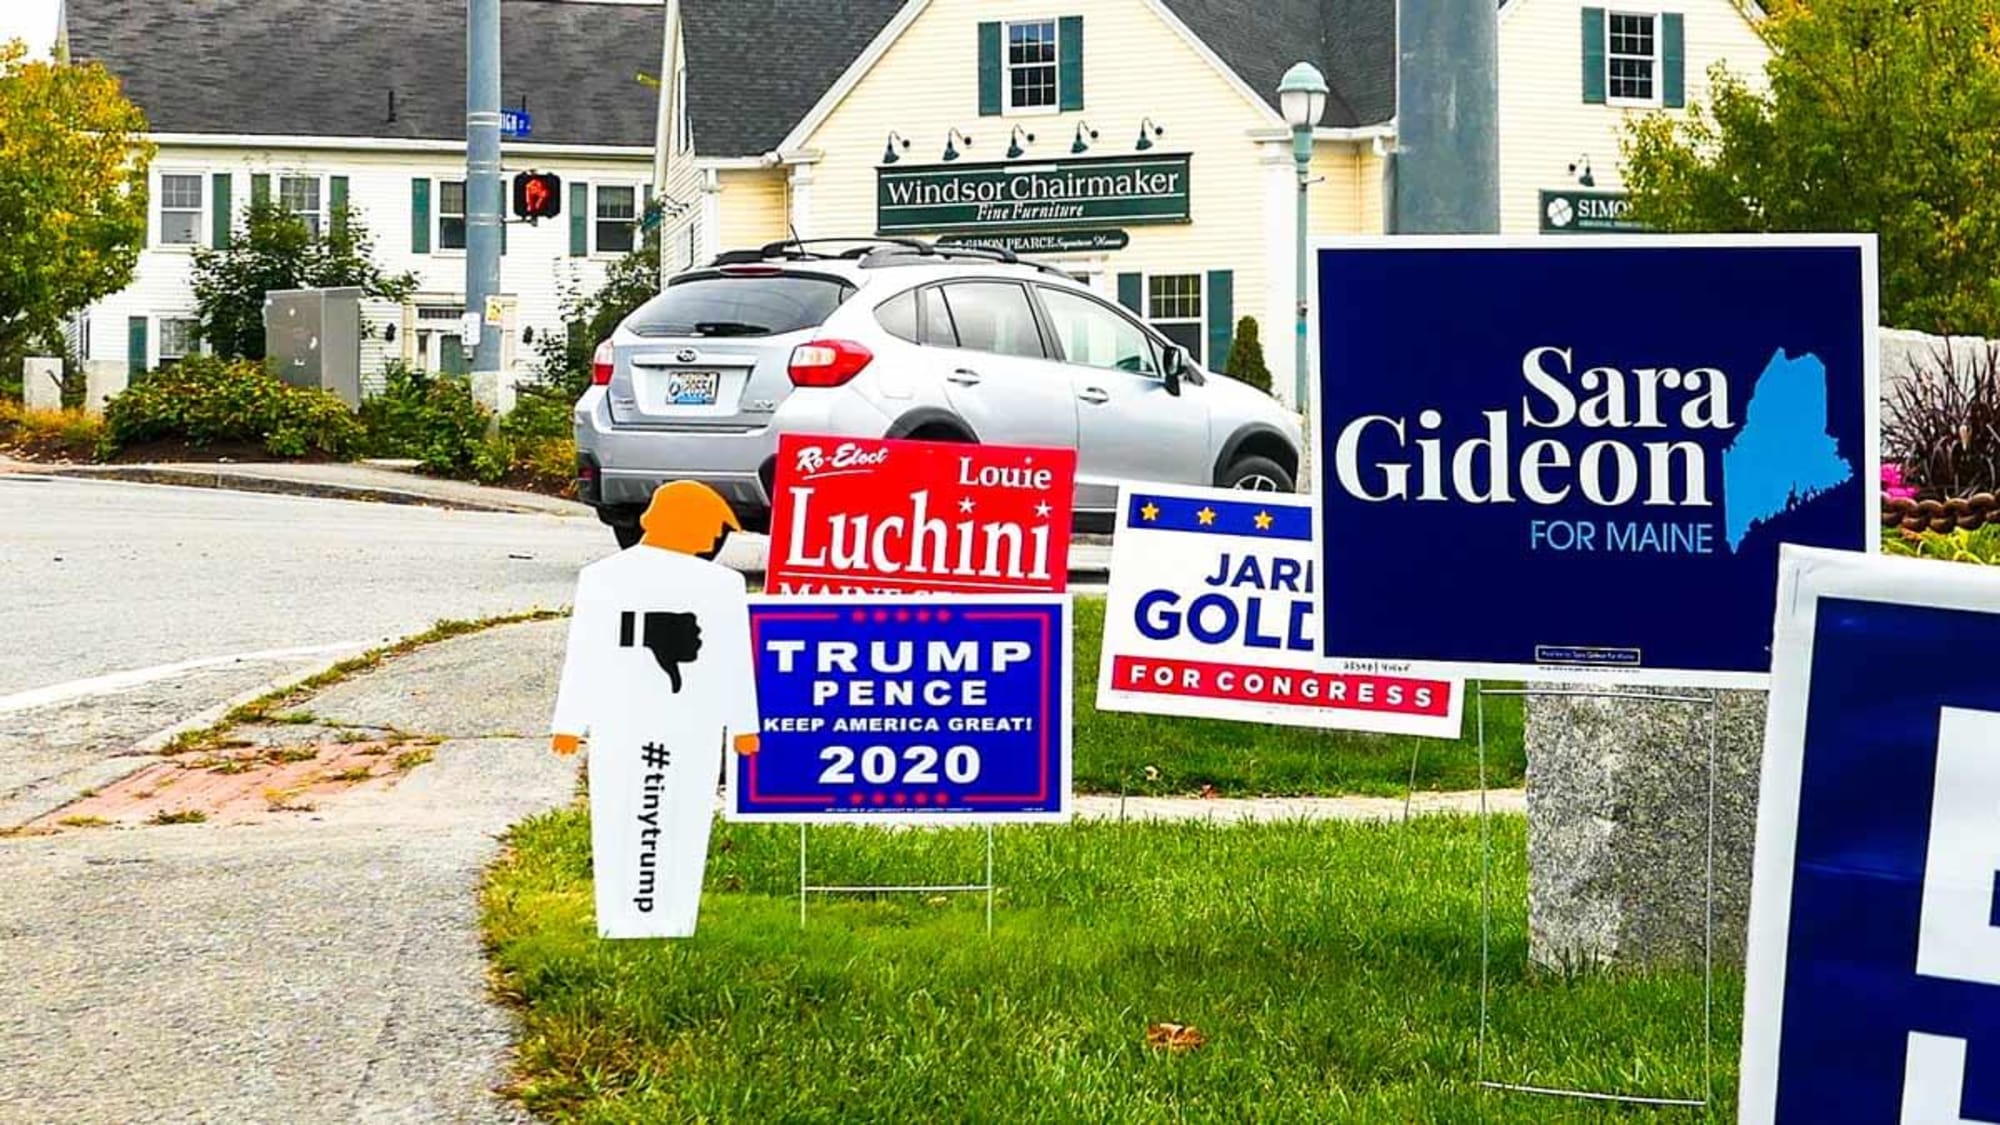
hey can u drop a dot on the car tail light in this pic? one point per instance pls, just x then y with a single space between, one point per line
828 363
600 365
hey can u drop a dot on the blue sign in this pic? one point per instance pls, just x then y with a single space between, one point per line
895 708
1575 459
516 123
1874 963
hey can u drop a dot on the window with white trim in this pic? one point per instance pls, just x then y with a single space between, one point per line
1031 65
1632 57
616 214
1174 306
304 196
180 209
451 214
178 336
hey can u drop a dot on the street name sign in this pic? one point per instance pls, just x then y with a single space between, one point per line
1873 988
894 709
516 123
1210 614
1091 191
1575 459
852 515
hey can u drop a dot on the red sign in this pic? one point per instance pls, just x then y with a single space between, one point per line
900 517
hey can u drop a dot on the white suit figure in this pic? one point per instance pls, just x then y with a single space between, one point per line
659 674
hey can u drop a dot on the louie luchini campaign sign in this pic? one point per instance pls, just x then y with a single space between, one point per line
1873 986
1210 614
853 515
892 708
1576 458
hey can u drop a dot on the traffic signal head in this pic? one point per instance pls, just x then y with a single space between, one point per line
537 195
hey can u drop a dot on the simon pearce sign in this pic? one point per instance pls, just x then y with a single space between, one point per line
1047 196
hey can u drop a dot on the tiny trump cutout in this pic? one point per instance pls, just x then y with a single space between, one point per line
658 676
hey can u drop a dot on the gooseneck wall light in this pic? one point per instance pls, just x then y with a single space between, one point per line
1084 135
951 148
1148 129
889 153
1014 149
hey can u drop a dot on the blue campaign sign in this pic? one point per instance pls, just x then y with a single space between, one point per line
942 709
516 123
1575 459
1873 988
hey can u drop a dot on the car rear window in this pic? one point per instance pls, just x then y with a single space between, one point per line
730 305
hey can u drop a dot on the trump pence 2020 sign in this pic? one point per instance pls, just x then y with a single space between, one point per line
1575 459
1873 991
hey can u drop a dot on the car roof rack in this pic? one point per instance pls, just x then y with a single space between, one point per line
900 256
802 250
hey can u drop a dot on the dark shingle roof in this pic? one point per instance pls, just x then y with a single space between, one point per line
1353 42
756 67
326 67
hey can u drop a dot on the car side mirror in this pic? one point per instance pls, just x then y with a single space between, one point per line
1173 368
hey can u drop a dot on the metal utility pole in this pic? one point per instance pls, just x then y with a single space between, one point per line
1447 163
483 209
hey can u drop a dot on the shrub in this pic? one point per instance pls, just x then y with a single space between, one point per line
1942 425
203 400
1246 358
68 434
434 419
541 411
1981 546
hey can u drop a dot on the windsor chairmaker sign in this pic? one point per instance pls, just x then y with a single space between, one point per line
1046 196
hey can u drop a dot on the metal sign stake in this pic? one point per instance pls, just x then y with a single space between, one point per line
808 888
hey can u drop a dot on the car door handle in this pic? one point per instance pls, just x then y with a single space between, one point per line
965 377
1094 395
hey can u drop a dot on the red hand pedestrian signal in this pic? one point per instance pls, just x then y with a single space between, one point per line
537 195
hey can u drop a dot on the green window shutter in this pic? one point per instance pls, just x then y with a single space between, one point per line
1069 56
420 214
1221 316
1673 60
1132 292
221 184
579 219
1593 56
260 188
135 344
989 68
336 194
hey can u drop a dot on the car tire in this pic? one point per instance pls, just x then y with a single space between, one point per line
1258 474
628 534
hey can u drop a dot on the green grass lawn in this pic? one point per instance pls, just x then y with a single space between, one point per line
1152 755
1333 970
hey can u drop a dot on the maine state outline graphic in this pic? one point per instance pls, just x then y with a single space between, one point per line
1783 456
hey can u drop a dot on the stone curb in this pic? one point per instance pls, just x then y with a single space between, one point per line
288 486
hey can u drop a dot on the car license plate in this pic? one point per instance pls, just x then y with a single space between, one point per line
692 388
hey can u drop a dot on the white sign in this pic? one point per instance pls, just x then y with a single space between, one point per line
1211 614
1873 988
659 677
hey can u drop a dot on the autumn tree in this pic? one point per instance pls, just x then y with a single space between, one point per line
274 250
73 159
1876 115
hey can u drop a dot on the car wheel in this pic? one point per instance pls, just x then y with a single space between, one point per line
1257 474
628 534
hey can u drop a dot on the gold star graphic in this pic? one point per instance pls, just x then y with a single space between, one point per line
1263 521
1149 512
1206 516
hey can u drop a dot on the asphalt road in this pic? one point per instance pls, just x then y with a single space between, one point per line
128 608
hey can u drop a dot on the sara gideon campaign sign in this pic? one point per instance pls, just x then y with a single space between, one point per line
1873 983
1575 459
855 515
884 707
1210 613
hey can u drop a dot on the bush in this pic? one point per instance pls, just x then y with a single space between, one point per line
203 400
541 411
1246 358
67 434
434 419
1942 426
1981 546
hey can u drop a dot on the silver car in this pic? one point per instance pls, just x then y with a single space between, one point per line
900 339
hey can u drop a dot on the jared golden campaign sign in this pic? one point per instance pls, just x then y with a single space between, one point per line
1575 459
892 708
1210 614
854 515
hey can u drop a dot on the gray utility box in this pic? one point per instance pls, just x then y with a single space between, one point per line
312 338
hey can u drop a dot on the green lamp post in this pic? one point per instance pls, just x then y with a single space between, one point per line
1302 99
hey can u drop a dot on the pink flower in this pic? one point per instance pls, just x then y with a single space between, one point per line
1893 486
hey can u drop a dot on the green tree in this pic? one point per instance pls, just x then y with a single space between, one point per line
73 160
589 319
1246 357
1878 115
274 250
